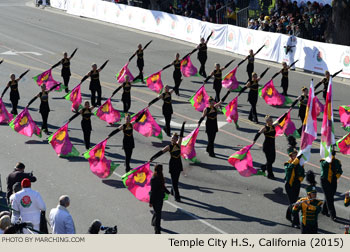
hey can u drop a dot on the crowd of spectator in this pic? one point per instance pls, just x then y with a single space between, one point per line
308 21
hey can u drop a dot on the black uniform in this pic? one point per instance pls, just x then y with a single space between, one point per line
217 84
86 126
325 83
202 57
126 97
65 72
17 176
253 99
157 195
284 81
140 63
14 96
175 168
44 108
128 144
211 127
95 86
167 111
250 67
269 149
177 76
302 111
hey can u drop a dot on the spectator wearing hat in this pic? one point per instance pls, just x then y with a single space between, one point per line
294 175
27 204
60 219
17 176
330 173
310 207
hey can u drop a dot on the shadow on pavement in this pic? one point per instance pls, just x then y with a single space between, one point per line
117 184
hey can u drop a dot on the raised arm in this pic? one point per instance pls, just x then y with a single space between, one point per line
22 75
159 153
208 78
208 37
32 100
103 65
263 73
116 91
147 45
259 50
76 49
56 65
227 65
181 133
85 77
262 130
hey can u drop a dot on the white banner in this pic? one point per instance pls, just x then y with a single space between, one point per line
59 4
313 56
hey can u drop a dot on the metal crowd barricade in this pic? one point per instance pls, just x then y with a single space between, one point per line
242 17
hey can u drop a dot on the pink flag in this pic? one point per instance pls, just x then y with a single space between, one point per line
138 182
61 144
271 96
319 107
123 72
99 164
230 80
230 111
344 144
243 162
147 126
107 113
309 132
47 79
200 100
75 97
5 116
286 127
188 151
344 113
24 124
327 130
154 82
187 68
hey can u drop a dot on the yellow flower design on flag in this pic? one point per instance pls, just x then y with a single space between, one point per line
98 153
155 77
105 108
347 141
23 121
269 91
122 72
45 77
143 119
184 63
228 76
140 177
199 98
61 135
75 95
329 111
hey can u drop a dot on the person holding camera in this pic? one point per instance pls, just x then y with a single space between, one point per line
17 176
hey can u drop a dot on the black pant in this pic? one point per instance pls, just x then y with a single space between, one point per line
202 60
45 116
87 134
302 117
284 85
14 107
329 190
140 65
270 159
217 93
293 195
253 115
309 229
177 80
157 215
167 124
126 106
93 96
66 82
250 73
211 139
175 184
128 153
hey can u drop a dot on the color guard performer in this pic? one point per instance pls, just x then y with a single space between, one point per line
302 106
65 72
325 82
175 164
86 113
95 85
140 61
167 107
284 80
14 94
202 55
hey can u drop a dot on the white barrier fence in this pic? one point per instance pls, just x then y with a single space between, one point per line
313 56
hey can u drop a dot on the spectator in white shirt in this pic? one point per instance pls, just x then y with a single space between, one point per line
27 205
60 219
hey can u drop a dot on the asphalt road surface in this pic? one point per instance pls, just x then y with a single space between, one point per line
216 199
